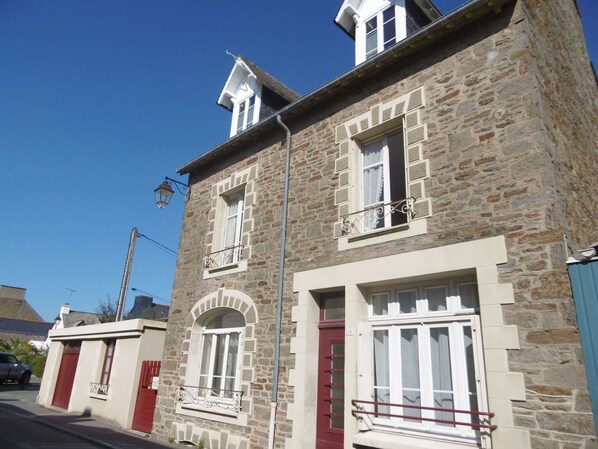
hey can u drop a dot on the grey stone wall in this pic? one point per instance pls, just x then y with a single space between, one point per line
504 146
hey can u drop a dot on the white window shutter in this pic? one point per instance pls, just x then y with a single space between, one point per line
192 377
365 373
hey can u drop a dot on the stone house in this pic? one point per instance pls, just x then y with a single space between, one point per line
422 300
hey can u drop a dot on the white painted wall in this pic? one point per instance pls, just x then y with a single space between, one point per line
136 341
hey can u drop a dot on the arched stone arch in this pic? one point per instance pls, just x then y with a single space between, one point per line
203 309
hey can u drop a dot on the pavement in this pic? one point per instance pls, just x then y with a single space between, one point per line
22 402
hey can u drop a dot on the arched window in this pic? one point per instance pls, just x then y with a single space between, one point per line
215 356
221 352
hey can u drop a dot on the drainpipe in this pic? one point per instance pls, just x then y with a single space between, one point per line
283 240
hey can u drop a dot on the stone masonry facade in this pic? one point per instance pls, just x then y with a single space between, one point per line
510 127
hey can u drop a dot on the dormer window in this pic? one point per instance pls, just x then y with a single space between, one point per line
377 25
380 32
245 117
251 94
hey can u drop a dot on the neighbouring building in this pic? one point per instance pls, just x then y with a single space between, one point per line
108 370
424 300
144 307
73 318
18 320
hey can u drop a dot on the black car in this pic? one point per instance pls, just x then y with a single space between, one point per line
12 370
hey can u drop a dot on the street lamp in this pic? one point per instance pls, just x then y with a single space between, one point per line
164 191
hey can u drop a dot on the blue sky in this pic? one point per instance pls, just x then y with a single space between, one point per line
100 99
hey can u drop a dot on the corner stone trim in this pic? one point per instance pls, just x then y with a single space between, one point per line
406 108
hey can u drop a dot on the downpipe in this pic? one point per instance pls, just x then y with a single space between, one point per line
283 240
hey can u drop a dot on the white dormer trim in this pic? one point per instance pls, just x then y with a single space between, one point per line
239 75
241 86
355 15
348 15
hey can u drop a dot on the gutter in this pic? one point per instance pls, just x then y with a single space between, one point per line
424 37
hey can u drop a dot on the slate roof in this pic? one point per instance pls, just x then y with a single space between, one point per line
18 309
74 318
155 312
145 308
431 34
271 82
25 327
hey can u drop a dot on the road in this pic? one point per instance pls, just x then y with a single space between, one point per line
26 425
20 430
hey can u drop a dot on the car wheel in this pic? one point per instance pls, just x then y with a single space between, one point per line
25 378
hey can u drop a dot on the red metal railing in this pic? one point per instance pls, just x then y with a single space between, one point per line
481 425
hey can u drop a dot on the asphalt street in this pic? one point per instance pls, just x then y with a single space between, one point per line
26 425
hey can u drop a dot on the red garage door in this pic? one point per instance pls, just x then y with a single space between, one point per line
66 377
146 397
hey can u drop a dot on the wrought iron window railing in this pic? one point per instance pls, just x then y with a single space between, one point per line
479 420
98 389
210 397
377 217
226 256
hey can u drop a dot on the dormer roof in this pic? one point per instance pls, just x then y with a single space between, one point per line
244 69
352 8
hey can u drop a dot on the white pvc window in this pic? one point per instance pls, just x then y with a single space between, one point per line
383 181
426 359
233 227
221 354
245 115
380 32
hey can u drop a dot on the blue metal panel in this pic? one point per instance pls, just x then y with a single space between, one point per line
584 283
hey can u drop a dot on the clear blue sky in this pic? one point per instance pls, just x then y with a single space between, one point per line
100 99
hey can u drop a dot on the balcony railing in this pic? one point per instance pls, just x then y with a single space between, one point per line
227 256
210 397
479 420
98 389
375 217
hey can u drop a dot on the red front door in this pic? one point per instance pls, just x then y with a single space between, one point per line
331 387
66 377
146 397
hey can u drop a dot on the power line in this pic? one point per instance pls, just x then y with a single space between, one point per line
159 245
150 294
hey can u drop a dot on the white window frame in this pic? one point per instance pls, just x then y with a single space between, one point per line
456 318
383 142
245 112
217 401
232 257
378 30
213 334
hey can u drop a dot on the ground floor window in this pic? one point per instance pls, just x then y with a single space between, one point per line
423 356
213 381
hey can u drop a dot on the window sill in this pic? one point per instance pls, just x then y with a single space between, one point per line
415 227
236 267
212 414
103 397
393 440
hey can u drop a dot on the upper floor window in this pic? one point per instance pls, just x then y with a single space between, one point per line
380 32
233 229
245 115
383 182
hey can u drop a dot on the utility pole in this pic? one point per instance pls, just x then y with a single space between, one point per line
124 285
